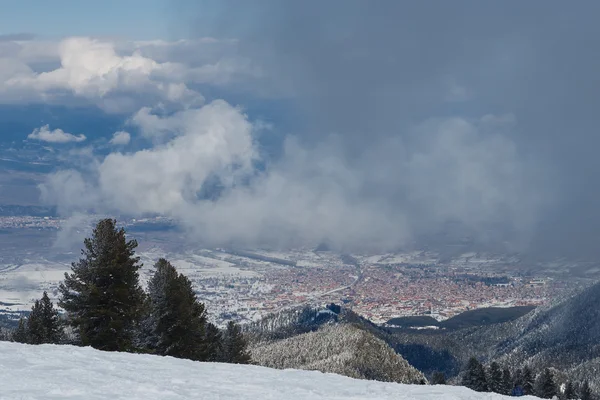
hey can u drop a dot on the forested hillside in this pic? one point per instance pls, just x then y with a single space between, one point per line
342 349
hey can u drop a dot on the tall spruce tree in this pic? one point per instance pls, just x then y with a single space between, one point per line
495 378
545 387
506 382
518 378
103 295
20 334
178 317
585 393
438 378
214 343
43 324
474 377
569 393
234 345
527 381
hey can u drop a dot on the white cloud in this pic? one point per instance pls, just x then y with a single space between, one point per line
120 138
54 136
117 76
450 169
215 140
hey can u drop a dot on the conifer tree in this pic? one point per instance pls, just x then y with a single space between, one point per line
495 378
43 325
438 378
102 294
585 393
506 382
474 377
20 334
179 318
518 378
545 387
569 393
234 345
527 381
214 343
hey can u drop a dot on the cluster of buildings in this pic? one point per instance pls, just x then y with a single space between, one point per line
29 222
246 285
374 290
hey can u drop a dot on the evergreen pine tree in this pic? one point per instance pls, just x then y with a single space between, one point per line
495 378
234 345
506 382
179 318
43 325
585 393
545 387
474 378
438 378
214 342
569 393
35 329
20 334
518 378
527 381
102 295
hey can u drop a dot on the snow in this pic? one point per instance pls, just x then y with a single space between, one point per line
52 372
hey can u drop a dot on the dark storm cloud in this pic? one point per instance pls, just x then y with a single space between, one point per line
372 71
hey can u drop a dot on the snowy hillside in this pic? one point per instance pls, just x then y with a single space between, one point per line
63 372
341 349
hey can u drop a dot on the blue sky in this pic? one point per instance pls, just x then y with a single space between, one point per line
134 19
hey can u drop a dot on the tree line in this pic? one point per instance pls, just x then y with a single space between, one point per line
107 309
520 382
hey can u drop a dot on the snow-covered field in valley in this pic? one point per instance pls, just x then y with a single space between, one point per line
52 372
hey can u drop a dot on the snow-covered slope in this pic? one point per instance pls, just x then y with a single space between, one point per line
342 349
52 372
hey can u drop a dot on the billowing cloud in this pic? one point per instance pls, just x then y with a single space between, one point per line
450 169
54 136
120 138
117 76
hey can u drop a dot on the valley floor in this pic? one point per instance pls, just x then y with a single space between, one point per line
64 372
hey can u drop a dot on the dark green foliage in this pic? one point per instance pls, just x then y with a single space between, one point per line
43 324
474 377
518 378
178 318
507 384
334 308
494 378
545 387
20 334
234 345
426 359
569 393
438 378
585 393
214 342
102 295
527 381
413 321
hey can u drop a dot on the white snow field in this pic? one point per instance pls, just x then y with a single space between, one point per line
66 372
